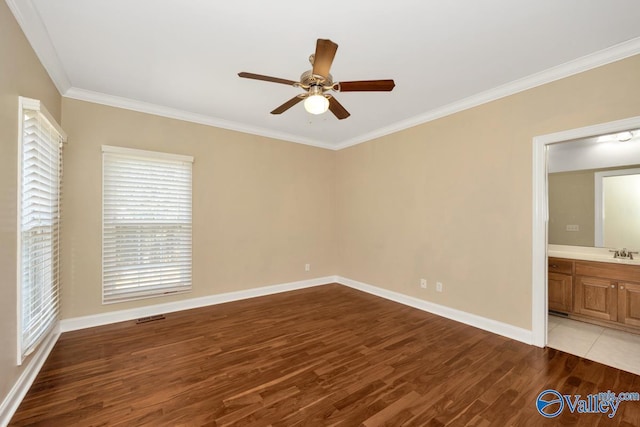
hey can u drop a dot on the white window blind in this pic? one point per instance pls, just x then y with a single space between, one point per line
39 226
146 226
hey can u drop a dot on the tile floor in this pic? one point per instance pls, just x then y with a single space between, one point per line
608 346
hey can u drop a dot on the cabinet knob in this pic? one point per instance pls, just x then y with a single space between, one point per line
613 286
621 287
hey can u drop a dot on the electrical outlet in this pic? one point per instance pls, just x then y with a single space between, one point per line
307 267
572 227
423 283
439 286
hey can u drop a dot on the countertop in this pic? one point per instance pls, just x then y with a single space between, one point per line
589 254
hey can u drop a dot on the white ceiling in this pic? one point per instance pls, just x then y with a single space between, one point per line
181 58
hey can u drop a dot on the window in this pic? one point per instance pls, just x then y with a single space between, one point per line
146 224
39 180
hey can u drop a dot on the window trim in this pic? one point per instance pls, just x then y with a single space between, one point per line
25 103
146 153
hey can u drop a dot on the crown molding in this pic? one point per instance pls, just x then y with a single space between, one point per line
174 113
38 37
585 63
582 64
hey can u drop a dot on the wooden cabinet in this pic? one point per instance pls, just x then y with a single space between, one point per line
561 265
604 293
629 303
560 292
560 285
596 297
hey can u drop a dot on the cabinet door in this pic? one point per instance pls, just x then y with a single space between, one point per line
596 298
560 292
629 303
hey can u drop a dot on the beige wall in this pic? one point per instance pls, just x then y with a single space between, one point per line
262 208
451 200
20 75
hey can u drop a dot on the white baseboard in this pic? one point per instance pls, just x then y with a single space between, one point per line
490 325
10 404
83 322
500 328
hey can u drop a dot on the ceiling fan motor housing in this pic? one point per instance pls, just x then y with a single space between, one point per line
308 80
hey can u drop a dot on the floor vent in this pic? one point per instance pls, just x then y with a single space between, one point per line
149 319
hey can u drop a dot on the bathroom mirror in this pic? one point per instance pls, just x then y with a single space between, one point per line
594 191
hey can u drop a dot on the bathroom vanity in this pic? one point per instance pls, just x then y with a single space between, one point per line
594 287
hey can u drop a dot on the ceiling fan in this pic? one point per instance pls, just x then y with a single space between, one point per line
317 82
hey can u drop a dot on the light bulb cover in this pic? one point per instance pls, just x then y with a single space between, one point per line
624 136
316 104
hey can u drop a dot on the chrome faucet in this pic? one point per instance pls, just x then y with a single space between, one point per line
623 253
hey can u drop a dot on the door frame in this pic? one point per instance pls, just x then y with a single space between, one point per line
541 215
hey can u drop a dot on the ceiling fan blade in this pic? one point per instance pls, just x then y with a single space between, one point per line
367 86
337 109
266 78
290 103
323 58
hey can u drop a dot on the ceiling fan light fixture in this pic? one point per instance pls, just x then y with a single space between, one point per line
316 104
319 80
624 136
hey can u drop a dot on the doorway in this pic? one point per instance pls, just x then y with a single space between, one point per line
540 215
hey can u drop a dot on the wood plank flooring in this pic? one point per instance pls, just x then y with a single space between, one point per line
323 356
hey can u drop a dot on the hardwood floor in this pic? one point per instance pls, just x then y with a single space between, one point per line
327 355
